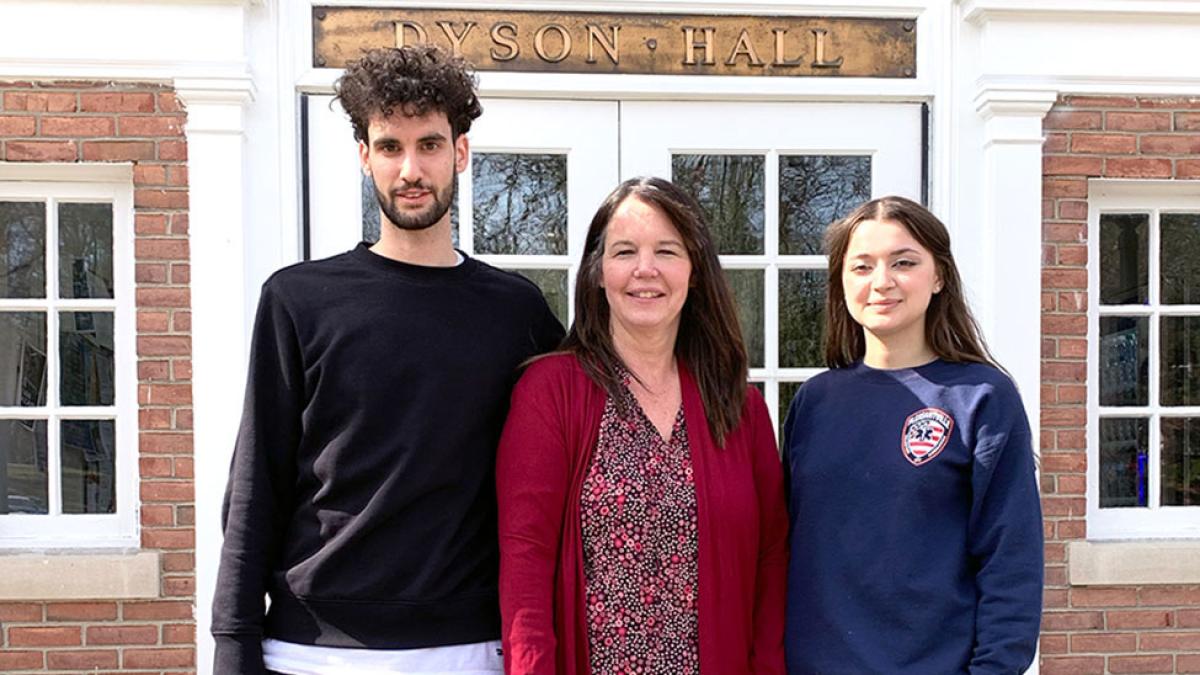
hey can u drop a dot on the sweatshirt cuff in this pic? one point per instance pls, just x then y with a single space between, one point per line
239 655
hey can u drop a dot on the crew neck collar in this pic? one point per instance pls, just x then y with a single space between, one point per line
413 272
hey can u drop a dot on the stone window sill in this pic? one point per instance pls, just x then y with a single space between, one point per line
1115 563
79 576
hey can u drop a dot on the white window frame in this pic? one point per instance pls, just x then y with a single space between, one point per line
1152 197
80 183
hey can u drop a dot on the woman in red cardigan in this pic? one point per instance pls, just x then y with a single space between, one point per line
642 521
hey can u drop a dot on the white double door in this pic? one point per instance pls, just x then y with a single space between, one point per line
770 177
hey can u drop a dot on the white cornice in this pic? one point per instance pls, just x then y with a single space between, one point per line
982 11
992 101
132 70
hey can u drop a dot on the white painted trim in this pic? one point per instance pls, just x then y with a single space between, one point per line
1154 521
137 70
983 11
70 172
80 576
1115 563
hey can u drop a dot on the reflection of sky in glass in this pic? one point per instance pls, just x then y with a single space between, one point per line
22 250
1123 456
730 191
370 211
801 318
23 453
1123 271
1180 461
1181 251
88 481
814 191
1124 360
520 203
85 251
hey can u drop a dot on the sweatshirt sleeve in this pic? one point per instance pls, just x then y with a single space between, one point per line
770 581
532 476
1005 539
258 494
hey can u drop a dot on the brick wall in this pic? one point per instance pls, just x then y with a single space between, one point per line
142 124
1111 629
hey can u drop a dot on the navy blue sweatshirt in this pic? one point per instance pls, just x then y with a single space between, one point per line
916 530
361 497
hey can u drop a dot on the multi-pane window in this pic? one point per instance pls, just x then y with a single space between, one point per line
1146 328
64 341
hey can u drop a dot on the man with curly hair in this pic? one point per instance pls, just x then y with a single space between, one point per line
361 497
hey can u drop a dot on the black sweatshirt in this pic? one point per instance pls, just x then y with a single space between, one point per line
361 496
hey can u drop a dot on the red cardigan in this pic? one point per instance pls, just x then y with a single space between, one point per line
544 454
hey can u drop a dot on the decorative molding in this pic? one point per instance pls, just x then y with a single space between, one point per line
980 12
215 106
1133 562
131 70
79 576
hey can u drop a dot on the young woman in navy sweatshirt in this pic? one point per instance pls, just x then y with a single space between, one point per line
916 531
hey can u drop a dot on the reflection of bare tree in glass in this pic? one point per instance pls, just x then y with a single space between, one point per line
814 191
1123 453
747 287
85 251
730 190
23 242
1180 461
1181 358
1123 259
801 318
1181 250
520 203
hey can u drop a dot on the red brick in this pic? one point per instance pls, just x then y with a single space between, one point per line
1053 644
1048 302
1069 393
1072 255
177 175
1071 529
1064 372
1057 553
1100 596
160 199
1070 209
1064 232
168 539
1054 597
1170 596
1064 187
41 151
1049 351
147 273
1106 144
182 370
1071 439
163 491
169 394
23 611
1187 168
152 322
176 561
181 273
1072 119
163 297
1141 664
175 587
172 150
122 635
1187 121
1064 506
1177 642
160 443
1072 301
179 223
1072 665
17 126
1064 278
1171 144
1055 143
159 125
1137 618
157 515
1072 165
1076 485
20 660
33 101
164 345
1187 663
77 126
149 174
161 249
1100 101
44 636
158 658
81 611
183 417
117 102
158 610
153 370
1190 103
168 102
88 659
1188 618
1137 121
150 223
118 151
154 418
1104 642
178 633
1064 462
1064 324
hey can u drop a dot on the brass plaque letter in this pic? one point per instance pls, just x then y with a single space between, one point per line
611 48
780 56
456 40
539 43
743 47
422 36
690 44
819 60
504 34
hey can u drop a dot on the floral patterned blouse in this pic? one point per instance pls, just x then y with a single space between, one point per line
638 513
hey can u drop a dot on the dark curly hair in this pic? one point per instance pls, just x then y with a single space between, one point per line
414 79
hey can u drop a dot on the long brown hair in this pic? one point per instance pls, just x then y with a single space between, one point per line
950 329
709 339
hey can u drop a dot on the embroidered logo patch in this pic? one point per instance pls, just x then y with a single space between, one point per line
926 433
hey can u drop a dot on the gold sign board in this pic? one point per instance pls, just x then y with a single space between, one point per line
578 42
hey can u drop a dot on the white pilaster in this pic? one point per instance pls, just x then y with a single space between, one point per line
217 160
1010 300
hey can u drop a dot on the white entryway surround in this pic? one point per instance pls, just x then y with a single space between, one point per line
989 70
